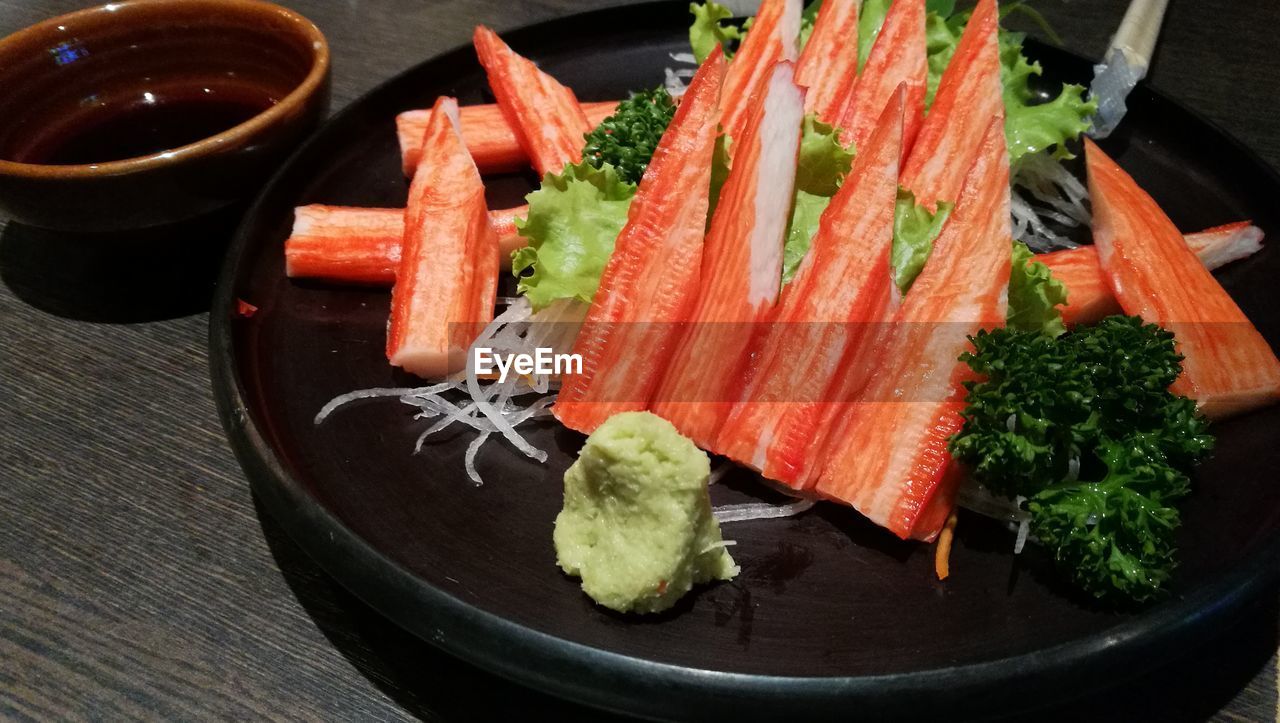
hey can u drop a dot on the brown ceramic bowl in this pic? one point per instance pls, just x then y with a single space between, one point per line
147 112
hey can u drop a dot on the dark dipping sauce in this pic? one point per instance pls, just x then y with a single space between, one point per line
145 127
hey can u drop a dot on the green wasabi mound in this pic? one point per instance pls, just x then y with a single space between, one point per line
637 524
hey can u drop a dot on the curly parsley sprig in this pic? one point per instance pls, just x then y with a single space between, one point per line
1085 428
627 139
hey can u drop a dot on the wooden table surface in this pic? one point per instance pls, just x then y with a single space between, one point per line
138 579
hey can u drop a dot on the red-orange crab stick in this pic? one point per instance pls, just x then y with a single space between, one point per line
489 137
741 269
969 95
545 115
651 280
350 245
1227 366
898 58
448 274
828 63
839 292
774 37
889 460
1089 296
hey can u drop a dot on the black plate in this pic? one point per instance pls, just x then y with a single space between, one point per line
830 614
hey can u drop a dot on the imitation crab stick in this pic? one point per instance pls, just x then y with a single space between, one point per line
898 57
1227 366
774 37
545 115
362 245
489 137
969 95
448 274
889 460
840 289
828 63
1089 296
741 268
650 281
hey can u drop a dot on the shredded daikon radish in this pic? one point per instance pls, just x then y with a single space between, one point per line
759 511
1024 528
489 407
674 81
1030 228
976 498
676 78
343 399
1044 191
1073 469
1054 185
469 460
495 413
717 546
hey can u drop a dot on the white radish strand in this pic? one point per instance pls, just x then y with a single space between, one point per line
490 408
976 498
344 399
1031 230
759 511
469 460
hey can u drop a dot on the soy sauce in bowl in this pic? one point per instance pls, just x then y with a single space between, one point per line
142 113
151 124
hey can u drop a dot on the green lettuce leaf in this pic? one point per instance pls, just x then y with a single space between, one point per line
820 171
943 8
914 231
1034 295
941 36
719 172
870 20
1033 125
806 211
709 29
573 221
823 162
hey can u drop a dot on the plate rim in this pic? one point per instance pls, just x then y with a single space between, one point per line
623 683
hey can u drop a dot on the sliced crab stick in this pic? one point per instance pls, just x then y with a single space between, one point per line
840 289
1218 246
651 280
828 63
448 274
969 95
489 137
774 37
1089 296
741 269
889 460
898 57
344 244
1227 366
350 245
545 114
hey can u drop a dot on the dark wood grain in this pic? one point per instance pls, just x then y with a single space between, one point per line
139 580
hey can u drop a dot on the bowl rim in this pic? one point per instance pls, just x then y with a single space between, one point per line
314 80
